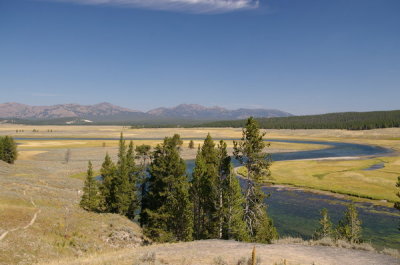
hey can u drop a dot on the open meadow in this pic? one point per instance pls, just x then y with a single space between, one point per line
40 219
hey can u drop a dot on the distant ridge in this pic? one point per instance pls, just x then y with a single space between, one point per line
342 120
199 112
109 113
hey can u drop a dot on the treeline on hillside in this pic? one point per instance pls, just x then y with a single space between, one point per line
8 149
154 187
344 120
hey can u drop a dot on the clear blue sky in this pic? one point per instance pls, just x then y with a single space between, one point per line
300 56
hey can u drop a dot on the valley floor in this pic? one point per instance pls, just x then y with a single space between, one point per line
40 219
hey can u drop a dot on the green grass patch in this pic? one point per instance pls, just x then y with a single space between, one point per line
82 175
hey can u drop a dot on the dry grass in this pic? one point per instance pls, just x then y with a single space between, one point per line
61 228
232 253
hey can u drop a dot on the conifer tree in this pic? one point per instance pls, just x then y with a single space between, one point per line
250 153
349 227
207 184
234 226
168 213
191 144
325 226
143 155
90 198
122 186
132 178
198 198
107 189
8 149
397 204
231 200
1 148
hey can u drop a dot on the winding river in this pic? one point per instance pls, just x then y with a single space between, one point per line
296 212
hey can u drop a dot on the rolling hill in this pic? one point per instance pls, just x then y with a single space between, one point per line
111 114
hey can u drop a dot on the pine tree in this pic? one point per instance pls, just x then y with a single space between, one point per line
206 182
122 187
132 177
90 199
1 148
143 155
231 200
107 189
197 197
234 226
349 227
325 226
168 213
250 153
397 204
191 144
8 149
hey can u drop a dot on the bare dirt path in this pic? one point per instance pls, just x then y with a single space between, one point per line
31 222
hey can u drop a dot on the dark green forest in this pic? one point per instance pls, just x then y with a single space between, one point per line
343 120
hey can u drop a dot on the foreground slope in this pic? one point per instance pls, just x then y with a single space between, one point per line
214 251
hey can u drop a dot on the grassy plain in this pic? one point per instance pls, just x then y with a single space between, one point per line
42 184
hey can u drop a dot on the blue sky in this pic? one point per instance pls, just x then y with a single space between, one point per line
300 56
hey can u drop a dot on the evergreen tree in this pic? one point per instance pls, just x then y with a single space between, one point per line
8 149
198 198
122 186
234 226
144 156
325 226
250 153
191 144
265 229
132 177
90 199
168 212
231 200
397 204
1 148
107 189
350 226
205 191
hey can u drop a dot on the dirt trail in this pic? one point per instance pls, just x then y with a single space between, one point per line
32 221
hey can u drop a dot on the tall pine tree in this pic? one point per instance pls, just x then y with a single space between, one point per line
122 186
132 177
168 214
143 154
207 184
250 153
107 189
232 200
397 204
90 199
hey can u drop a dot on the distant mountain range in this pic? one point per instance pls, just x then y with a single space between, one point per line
106 112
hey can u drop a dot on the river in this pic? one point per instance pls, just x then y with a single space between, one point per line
296 212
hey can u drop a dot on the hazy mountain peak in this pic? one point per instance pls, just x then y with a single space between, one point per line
105 111
199 112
